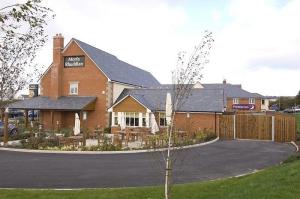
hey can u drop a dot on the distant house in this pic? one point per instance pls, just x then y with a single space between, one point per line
265 102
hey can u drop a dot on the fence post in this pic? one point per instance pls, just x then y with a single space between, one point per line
234 129
273 128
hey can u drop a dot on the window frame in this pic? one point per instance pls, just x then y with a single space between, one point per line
71 86
235 100
251 100
144 120
133 118
116 118
162 117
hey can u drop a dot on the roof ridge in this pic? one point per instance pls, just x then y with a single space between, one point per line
94 47
116 69
111 55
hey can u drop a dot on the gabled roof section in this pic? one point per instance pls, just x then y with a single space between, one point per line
117 70
200 100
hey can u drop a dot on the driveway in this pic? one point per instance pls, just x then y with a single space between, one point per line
217 160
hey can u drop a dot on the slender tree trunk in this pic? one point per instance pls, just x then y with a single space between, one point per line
168 165
168 159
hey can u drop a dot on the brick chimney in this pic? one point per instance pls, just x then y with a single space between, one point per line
224 81
57 66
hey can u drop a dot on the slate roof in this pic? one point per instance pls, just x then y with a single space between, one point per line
200 100
233 90
117 70
46 103
230 90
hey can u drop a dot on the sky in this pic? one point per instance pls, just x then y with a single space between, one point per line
257 42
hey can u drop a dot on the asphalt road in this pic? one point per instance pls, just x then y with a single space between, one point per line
217 160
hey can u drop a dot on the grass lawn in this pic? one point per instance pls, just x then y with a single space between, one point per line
281 181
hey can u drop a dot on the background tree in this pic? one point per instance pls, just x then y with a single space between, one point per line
297 99
188 72
21 35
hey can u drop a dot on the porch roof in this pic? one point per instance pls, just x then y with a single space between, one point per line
67 103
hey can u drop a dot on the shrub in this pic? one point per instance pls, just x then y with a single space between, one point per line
210 136
67 132
107 130
21 136
40 142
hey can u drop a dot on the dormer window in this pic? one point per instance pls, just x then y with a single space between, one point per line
73 88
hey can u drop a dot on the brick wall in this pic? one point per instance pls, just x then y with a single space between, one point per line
91 82
244 101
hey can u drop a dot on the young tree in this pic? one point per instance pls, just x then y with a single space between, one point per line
188 72
21 35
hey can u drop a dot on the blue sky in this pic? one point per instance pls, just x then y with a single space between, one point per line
257 43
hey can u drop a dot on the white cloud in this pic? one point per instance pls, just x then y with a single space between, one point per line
257 44
259 48
145 34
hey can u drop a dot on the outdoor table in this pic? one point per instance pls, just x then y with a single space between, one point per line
135 134
76 139
122 133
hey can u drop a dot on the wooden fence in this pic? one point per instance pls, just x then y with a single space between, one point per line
279 127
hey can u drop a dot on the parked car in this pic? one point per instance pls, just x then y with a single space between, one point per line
33 114
274 107
15 113
12 129
288 110
297 109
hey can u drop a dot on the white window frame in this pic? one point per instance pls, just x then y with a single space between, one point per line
143 116
115 118
251 100
164 117
73 85
135 115
235 100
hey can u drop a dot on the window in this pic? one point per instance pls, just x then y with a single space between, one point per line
132 119
116 122
236 101
162 119
74 88
144 119
263 102
251 101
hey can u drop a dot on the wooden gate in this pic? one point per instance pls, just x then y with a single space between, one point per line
279 128
258 127
226 127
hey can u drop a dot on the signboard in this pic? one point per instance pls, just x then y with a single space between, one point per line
74 61
243 106
33 90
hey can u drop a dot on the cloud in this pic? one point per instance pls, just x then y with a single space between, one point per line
262 41
256 42
145 34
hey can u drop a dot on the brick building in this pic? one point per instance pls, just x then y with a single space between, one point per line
106 91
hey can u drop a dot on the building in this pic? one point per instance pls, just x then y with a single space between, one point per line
266 101
85 80
137 107
108 92
236 99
